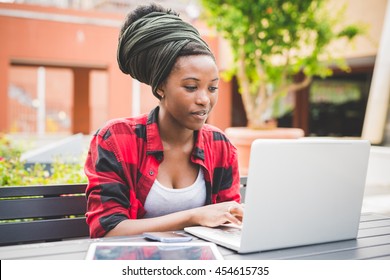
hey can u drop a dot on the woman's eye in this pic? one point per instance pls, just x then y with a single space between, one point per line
213 89
190 88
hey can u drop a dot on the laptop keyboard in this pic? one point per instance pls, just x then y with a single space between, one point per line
230 232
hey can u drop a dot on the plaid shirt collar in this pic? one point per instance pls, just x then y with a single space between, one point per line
154 144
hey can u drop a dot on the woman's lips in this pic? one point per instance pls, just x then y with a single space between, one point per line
201 114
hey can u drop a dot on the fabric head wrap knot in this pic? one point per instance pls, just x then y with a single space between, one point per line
148 48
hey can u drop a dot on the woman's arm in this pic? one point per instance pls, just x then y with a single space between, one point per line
209 215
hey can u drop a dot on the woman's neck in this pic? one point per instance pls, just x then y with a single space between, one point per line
172 133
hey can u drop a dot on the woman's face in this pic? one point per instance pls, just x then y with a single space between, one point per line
190 91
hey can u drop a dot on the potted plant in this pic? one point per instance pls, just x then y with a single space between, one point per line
271 43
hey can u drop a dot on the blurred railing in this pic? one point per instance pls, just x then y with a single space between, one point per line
109 5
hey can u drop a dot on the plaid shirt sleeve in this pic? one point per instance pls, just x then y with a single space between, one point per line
110 189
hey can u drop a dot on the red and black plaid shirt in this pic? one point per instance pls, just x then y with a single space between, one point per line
123 161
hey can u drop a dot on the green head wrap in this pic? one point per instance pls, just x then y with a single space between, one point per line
148 48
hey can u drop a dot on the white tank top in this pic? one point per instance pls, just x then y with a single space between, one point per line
162 200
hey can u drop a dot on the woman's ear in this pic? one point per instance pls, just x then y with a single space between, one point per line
160 92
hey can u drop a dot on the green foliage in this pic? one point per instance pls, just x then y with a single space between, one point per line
13 172
273 40
278 33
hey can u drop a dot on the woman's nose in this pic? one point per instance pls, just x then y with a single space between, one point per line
202 97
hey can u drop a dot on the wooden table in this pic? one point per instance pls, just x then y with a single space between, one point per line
373 242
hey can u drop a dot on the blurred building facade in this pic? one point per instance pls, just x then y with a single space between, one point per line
59 72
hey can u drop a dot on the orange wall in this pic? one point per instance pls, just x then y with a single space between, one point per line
76 39
46 42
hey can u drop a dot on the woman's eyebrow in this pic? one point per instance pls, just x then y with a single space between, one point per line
191 78
196 79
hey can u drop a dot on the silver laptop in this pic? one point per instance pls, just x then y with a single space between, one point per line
299 192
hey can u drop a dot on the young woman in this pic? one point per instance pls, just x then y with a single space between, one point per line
168 169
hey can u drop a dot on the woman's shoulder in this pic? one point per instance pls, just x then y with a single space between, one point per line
215 134
209 128
216 143
124 125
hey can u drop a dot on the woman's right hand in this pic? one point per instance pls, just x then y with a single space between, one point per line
220 213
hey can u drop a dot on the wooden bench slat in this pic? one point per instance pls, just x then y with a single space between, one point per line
50 190
42 207
47 230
